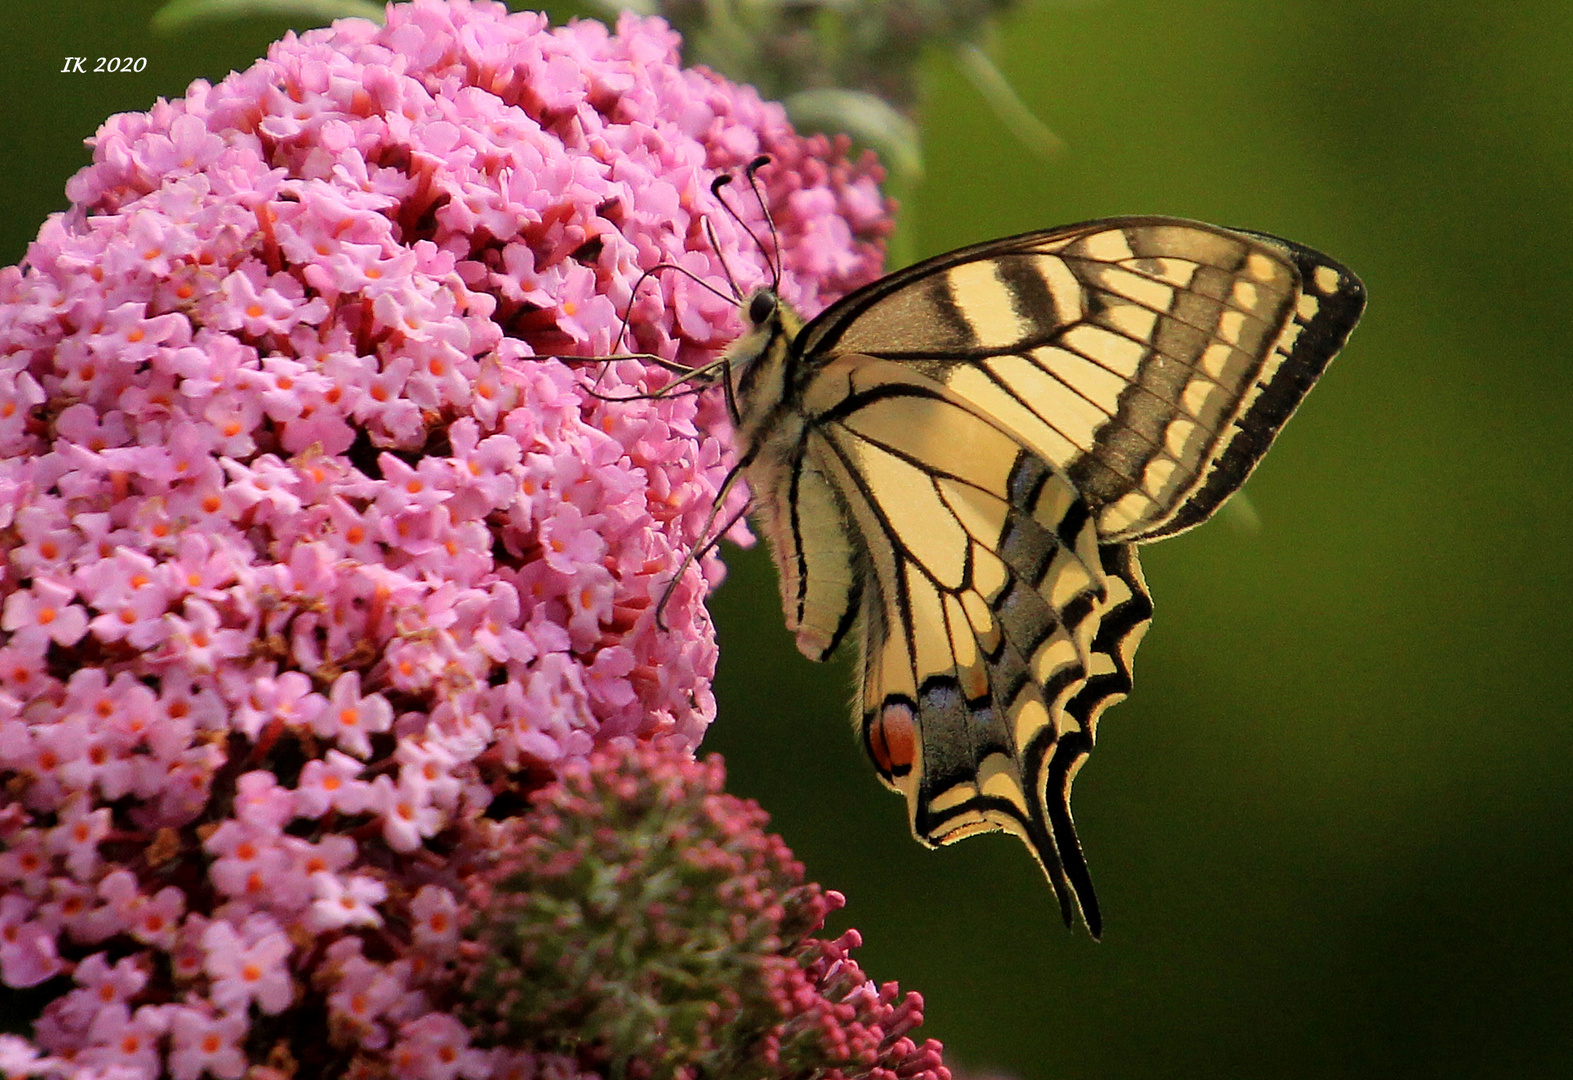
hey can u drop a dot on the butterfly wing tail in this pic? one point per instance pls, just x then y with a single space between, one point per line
1122 623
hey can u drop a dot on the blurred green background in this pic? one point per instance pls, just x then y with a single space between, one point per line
1332 830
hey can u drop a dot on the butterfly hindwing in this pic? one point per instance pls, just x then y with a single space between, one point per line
983 595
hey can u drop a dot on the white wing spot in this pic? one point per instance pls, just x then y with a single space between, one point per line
1178 437
1215 361
1156 478
1261 267
997 777
1054 655
951 798
1119 516
1194 400
1230 325
1066 579
1031 719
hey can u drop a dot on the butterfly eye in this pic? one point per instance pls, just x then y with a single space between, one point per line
762 307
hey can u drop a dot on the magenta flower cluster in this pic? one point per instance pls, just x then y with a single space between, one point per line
313 553
640 922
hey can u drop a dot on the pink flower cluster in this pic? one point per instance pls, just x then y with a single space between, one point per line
640 922
313 553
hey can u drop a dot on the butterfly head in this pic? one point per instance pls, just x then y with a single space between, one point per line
763 306
759 361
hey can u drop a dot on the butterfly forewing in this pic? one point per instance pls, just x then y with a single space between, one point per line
1152 360
960 456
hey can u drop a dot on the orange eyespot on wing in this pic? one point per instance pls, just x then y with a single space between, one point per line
892 738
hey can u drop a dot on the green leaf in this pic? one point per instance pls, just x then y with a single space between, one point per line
868 119
184 14
1006 103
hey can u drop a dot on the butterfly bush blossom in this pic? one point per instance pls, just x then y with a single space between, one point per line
322 565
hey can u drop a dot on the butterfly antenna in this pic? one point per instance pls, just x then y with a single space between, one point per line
622 332
715 246
773 261
703 378
633 294
715 189
633 298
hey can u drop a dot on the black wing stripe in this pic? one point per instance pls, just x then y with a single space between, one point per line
949 312
1030 295
854 590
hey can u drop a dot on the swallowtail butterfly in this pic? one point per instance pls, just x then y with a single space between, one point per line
958 461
